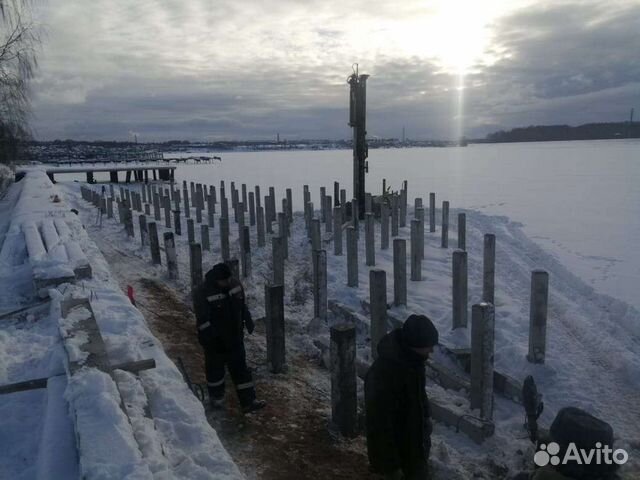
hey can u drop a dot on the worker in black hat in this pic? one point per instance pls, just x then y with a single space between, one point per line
398 417
221 316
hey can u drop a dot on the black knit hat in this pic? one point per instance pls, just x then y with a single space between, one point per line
419 332
221 271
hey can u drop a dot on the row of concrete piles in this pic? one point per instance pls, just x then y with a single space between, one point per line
197 203
388 211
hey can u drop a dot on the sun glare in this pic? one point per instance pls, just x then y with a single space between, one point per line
455 33
461 34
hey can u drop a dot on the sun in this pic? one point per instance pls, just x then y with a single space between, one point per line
461 34
456 34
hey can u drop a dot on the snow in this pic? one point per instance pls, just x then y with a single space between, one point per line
577 200
76 255
105 440
22 419
63 229
75 341
135 399
593 357
176 441
28 349
35 247
57 456
50 235
592 362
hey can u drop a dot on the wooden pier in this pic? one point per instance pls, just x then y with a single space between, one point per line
158 159
139 173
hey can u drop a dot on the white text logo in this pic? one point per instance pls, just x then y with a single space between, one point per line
601 455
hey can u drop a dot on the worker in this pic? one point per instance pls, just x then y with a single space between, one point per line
398 417
221 316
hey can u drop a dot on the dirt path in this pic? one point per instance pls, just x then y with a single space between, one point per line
289 439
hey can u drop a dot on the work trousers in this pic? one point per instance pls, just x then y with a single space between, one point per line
236 362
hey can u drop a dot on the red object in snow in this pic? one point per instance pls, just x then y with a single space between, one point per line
130 295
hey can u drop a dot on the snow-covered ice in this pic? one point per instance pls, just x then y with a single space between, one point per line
578 200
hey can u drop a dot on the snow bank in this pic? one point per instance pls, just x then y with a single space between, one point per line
143 425
39 199
105 441
29 349
164 434
57 456
32 224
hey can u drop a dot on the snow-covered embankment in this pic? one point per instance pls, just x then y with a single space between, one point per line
95 424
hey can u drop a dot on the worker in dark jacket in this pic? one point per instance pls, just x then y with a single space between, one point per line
398 417
221 316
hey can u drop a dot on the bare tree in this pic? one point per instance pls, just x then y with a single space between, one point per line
18 42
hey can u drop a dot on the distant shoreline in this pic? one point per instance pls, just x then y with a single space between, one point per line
73 150
563 133
100 151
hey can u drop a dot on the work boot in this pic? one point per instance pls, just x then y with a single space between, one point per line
253 406
216 403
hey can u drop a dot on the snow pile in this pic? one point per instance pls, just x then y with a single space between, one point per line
39 199
105 440
75 341
177 441
31 225
47 264
33 435
164 433
134 397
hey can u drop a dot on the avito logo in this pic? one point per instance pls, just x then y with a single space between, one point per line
549 454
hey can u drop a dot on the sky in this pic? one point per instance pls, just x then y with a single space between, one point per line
207 70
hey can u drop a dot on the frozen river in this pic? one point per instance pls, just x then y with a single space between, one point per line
579 200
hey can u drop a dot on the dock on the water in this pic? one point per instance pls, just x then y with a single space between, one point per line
139 173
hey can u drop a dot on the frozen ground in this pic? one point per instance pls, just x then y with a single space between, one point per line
593 357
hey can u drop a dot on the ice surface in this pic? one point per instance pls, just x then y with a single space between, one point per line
579 200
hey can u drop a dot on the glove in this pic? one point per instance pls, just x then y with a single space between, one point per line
250 325
395 475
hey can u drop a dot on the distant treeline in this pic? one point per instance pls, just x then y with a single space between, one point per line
545 133
173 144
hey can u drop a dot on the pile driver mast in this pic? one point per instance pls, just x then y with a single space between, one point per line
357 120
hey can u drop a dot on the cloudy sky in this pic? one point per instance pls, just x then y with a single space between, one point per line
249 69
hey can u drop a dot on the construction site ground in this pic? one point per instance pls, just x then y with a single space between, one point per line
291 437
